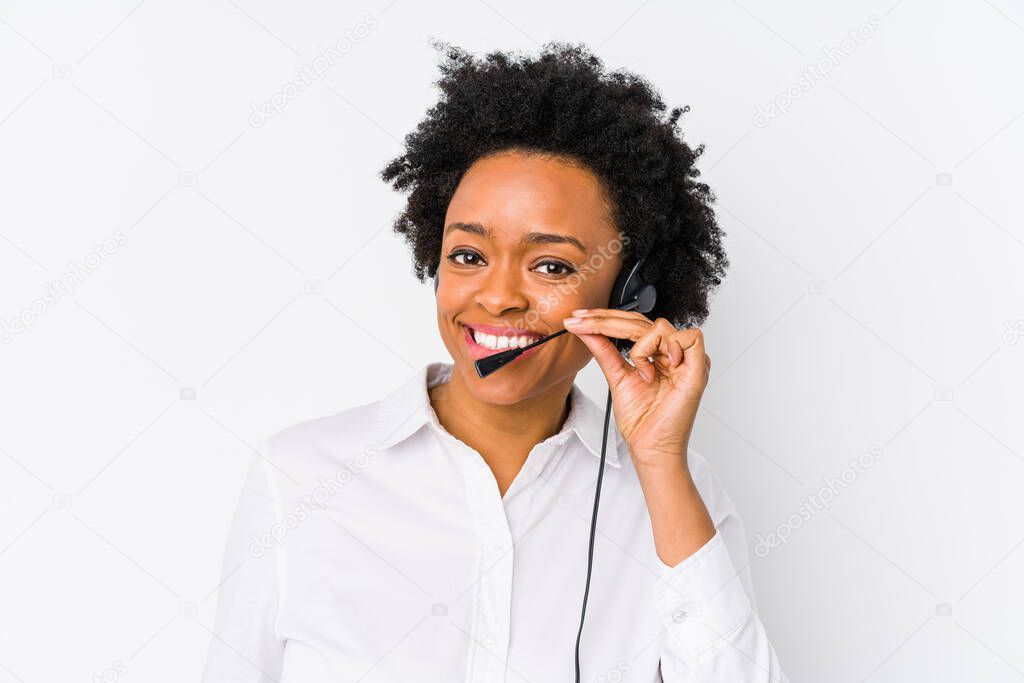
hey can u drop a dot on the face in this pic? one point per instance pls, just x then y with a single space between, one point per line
527 240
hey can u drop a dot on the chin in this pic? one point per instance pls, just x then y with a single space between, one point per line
503 387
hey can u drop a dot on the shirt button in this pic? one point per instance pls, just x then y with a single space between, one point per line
490 640
688 611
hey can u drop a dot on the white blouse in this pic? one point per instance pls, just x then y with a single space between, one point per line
372 545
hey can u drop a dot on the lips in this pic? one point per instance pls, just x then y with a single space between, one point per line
479 351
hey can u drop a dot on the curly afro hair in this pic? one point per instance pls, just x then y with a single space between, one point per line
563 104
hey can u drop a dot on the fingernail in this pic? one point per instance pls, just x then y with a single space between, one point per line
571 321
581 311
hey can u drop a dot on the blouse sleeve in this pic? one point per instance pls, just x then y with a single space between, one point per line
707 604
244 645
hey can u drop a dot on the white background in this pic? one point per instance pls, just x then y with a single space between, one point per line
869 302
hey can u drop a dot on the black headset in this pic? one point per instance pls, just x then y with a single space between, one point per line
629 292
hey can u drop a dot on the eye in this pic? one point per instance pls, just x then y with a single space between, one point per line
565 269
454 256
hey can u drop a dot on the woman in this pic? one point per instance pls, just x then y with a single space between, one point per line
443 532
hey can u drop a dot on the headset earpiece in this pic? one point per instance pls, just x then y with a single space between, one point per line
629 287
631 291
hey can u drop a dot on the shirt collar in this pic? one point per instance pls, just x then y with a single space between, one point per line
406 409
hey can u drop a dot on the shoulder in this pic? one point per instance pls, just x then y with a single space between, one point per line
357 433
311 444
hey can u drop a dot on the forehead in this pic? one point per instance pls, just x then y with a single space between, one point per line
514 193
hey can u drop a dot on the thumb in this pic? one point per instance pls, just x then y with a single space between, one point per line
613 365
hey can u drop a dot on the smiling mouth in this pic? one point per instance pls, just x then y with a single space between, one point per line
482 344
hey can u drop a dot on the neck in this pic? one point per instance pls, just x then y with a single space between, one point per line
504 435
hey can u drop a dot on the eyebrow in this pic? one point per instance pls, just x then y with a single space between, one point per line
528 238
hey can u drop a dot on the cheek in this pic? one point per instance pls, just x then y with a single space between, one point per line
559 305
446 328
448 304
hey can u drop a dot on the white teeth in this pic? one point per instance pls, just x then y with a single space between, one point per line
500 343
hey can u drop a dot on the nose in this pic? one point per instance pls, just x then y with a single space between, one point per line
501 290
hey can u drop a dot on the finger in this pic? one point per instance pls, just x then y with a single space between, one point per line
677 353
668 354
620 328
611 362
608 312
654 343
645 367
691 342
675 350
